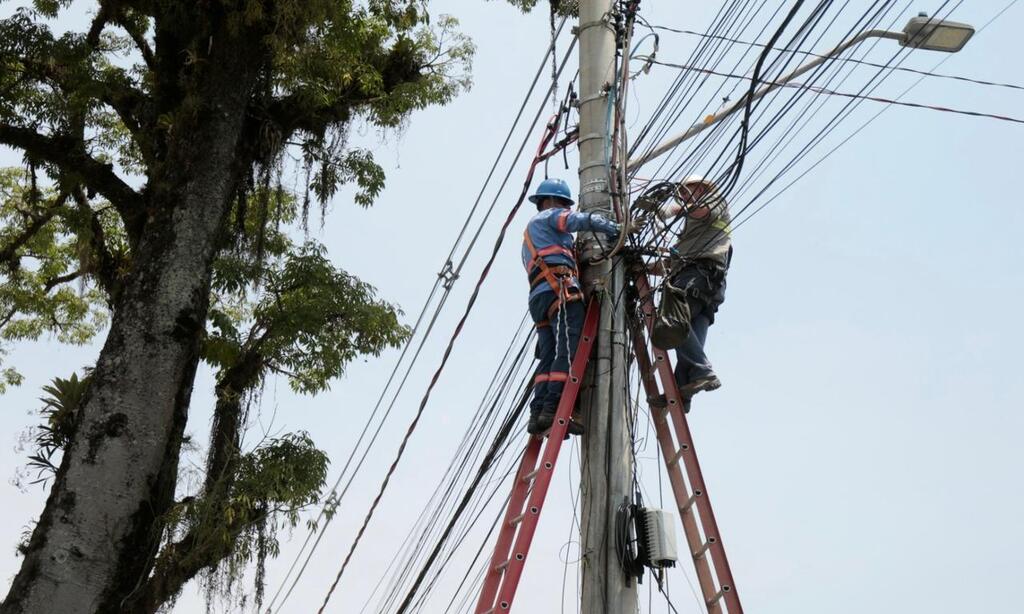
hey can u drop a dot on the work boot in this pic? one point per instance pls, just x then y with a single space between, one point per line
573 428
537 424
546 420
705 383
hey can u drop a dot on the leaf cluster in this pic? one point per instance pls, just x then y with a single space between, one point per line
47 258
223 534
306 319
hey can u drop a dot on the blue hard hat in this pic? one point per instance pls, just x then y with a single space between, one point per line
555 188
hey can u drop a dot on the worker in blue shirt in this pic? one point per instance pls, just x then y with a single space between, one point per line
556 304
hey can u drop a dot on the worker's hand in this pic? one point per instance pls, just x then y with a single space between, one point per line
657 267
637 225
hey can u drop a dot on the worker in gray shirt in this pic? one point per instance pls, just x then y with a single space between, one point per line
698 267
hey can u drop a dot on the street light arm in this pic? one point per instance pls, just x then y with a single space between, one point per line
767 89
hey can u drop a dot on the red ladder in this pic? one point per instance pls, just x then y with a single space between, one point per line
531 487
716 584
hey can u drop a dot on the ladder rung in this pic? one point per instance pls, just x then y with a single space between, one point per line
531 475
711 541
683 449
718 596
516 520
502 566
690 502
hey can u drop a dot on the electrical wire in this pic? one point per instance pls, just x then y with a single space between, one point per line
828 92
336 500
864 125
551 131
811 54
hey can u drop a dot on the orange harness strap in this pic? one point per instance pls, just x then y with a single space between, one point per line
552 275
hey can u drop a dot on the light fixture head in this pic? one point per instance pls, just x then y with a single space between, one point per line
923 32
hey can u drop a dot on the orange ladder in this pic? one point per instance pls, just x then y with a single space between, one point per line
691 495
531 486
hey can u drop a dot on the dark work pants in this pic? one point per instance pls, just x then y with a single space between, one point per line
556 346
705 288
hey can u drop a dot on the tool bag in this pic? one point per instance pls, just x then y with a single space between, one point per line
672 320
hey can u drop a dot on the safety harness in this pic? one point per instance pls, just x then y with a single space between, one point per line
555 276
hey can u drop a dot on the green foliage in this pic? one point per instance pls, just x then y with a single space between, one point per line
45 247
561 7
307 321
109 121
327 64
271 486
64 397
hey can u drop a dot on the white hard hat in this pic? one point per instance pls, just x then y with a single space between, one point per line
692 179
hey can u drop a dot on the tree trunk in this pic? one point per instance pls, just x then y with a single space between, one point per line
100 531
181 561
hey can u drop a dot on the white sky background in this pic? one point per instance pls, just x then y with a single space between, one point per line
864 452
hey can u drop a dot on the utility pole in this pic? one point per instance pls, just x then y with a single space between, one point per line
607 460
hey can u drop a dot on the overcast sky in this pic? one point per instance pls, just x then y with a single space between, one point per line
863 454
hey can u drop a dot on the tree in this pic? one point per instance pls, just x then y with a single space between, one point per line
152 142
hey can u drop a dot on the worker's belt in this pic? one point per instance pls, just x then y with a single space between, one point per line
560 272
713 270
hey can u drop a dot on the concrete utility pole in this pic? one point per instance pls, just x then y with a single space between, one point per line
607 461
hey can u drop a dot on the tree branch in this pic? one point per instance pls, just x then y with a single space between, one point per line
69 155
112 88
139 38
8 253
53 282
7 317
107 270
99 22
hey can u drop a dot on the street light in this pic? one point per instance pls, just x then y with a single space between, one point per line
921 32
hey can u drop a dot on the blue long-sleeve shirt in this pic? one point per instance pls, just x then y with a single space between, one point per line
551 233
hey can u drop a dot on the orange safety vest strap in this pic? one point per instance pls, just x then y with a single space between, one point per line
537 260
557 249
569 295
542 323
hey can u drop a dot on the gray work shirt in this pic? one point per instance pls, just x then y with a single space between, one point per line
703 239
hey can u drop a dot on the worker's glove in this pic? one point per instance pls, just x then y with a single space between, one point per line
638 225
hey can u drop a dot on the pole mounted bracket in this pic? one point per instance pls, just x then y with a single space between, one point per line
604 22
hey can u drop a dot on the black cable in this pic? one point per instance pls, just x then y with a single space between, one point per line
439 511
494 397
791 102
864 125
438 283
856 61
485 465
444 360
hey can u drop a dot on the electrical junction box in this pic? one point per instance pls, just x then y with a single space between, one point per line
659 538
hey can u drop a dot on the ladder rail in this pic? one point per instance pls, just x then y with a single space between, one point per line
503 548
506 565
705 512
684 499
